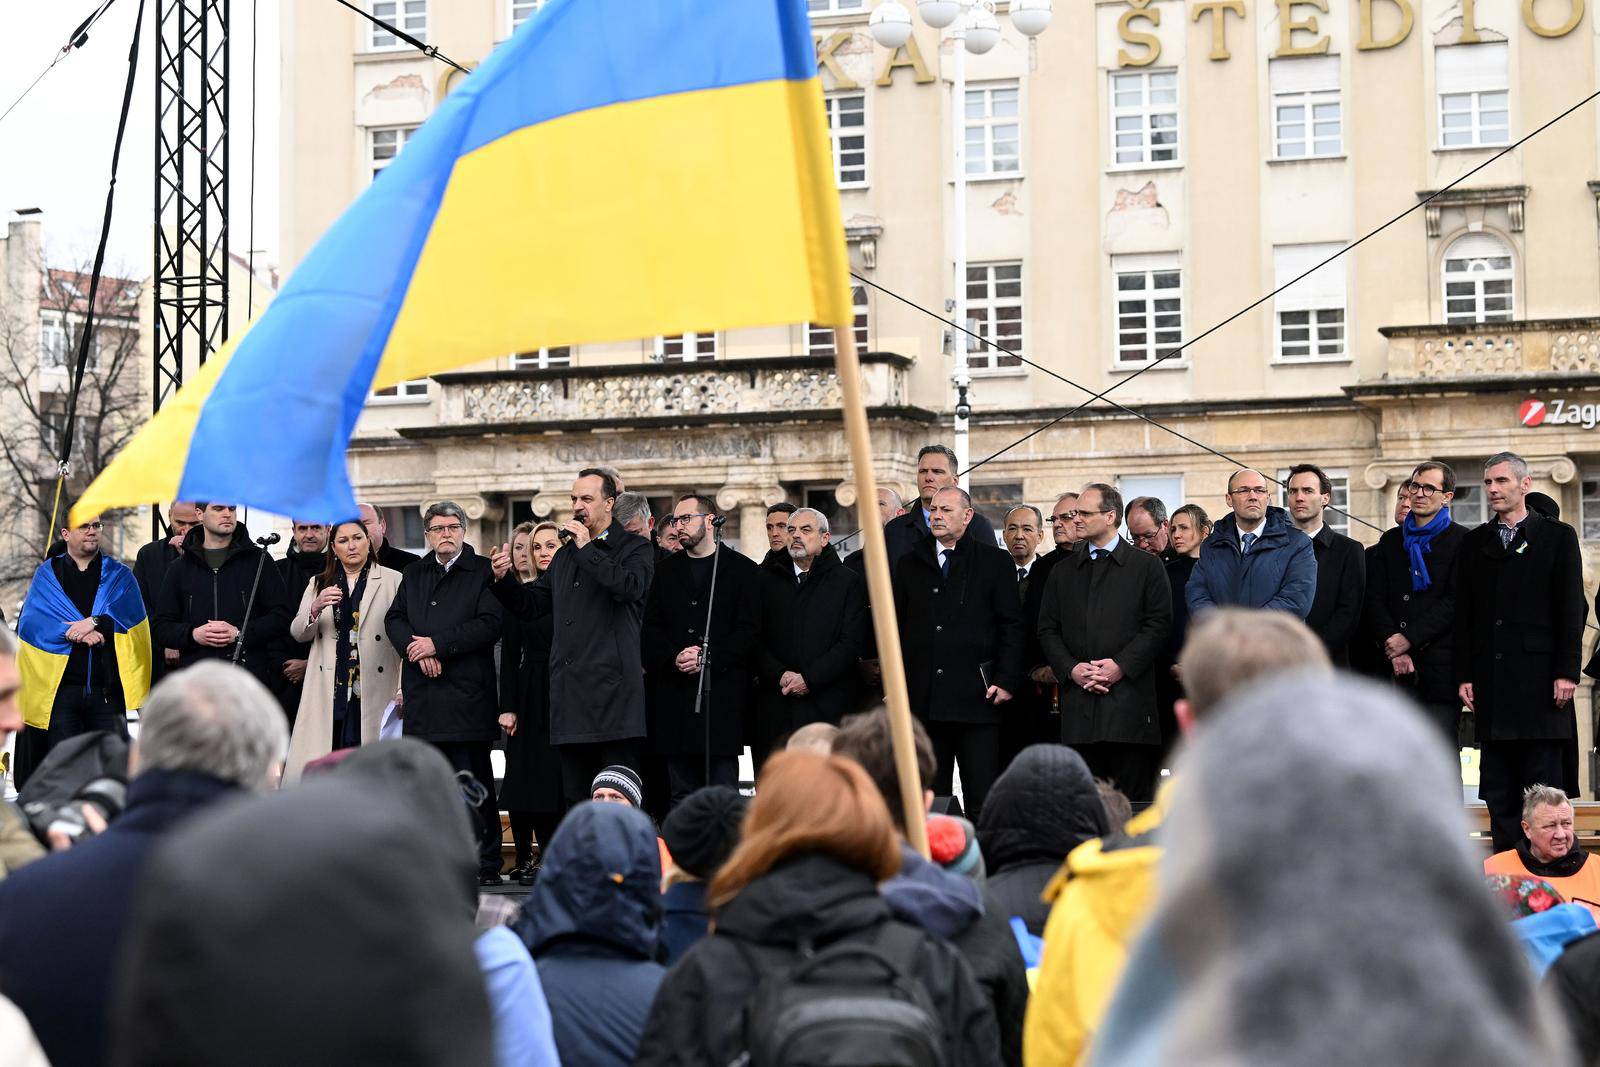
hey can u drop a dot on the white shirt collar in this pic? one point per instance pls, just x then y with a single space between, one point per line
447 564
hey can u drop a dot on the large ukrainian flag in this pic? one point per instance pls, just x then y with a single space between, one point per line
47 611
618 169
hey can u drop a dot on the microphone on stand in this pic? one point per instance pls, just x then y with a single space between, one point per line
270 539
718 521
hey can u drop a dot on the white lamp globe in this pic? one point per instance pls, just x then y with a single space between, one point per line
1031 16
983 31
890 24
938 13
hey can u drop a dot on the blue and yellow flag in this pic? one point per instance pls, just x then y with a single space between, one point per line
617 169
47 611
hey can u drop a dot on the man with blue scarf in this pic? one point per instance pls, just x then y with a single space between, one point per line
1411 595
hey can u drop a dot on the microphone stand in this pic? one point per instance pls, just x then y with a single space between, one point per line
250 604
702 692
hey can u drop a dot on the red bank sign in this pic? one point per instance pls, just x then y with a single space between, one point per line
1558 412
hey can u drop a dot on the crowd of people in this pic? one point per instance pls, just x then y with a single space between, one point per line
333 797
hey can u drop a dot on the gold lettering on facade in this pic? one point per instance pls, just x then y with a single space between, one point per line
907 55
826 47
1532 21
1469 23
1219 10
1139 9
1287 27
1408 18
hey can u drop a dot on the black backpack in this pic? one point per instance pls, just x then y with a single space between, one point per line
855 1003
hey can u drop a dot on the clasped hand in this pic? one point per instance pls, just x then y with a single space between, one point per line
1097 675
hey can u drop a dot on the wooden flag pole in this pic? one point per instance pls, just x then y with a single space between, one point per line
848 364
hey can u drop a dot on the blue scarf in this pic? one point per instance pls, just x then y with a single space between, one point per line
1419 542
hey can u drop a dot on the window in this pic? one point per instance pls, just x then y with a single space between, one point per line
834 7
994 307
408 15
994 130
543 359
1310 312
52 340
847 134
1144 117
383 145
1590 506
993 501
1305 107
1474 95
1149 307
819 339
404 528
53 423
1167 488
686 347
1469 507
413 390
1477 280
520 11
1337 521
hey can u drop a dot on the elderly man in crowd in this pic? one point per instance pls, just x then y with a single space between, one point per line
1255 557
936 470
445 622
1549 849
1150 528
396 559
207 734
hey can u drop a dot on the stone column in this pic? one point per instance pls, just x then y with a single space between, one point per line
751 503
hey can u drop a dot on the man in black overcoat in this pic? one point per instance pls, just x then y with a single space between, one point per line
1335 615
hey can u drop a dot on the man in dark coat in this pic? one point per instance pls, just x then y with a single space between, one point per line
396 559
445 622
936 470
1030 719
150 571
815 625
674 627
1520 612
203 737
306 558
1411 596
961 635
200 611
1255 557
1367 657
595 592
1103 627
1335 615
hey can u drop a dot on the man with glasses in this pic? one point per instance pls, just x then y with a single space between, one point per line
1255 557
1519 619
1341 565
675 626
445 622
1411 595
150 570
1103 626
1149 527
595 593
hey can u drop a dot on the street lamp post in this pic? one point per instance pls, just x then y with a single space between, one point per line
976 30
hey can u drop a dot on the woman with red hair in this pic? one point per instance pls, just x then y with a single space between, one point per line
801 933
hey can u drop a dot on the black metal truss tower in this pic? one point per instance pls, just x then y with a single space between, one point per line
191 188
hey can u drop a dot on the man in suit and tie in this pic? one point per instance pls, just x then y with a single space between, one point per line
936 470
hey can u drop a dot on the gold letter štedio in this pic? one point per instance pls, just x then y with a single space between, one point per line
1218 10
1407 17
1152 43
1287 26
1565 28
907 55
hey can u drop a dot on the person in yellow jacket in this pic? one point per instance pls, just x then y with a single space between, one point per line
1104 890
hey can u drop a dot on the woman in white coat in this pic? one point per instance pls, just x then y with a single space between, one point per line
353 672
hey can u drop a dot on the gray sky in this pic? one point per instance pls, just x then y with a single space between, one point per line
55 149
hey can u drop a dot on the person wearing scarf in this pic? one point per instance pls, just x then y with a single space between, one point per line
1419 544
1549 849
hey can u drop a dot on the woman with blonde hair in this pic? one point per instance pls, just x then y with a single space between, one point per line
530 792
797 916
352 671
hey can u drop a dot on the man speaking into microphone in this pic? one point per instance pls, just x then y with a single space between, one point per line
595 592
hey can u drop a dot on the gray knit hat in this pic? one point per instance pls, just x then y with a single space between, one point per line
624 780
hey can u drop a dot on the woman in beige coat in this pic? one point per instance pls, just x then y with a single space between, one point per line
353 672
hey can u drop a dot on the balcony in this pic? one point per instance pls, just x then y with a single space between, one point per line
1490 355
678 394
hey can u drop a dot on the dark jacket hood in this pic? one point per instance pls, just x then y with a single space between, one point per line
1043 806
810 895
1226 530
600 881
322 941
941 902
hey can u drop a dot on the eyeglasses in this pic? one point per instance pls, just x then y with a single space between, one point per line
92 526
1422 489
675 520
1249 490
1146 538
447 528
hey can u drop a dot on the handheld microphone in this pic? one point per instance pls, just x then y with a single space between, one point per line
270 539
719 520
565 535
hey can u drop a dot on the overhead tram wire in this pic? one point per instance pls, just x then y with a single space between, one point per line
431 51
77 39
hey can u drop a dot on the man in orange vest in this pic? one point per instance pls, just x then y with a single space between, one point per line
1549 849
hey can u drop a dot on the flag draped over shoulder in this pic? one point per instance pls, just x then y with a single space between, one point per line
617 169
47 611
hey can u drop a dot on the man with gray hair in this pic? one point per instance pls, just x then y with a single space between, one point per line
1149 528
633 511
1519 618
936 469
1549 849
206 734
445 622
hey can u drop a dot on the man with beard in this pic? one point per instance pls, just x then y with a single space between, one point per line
307 556
673 645
815 625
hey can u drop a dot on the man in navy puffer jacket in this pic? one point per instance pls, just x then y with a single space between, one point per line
1255 557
